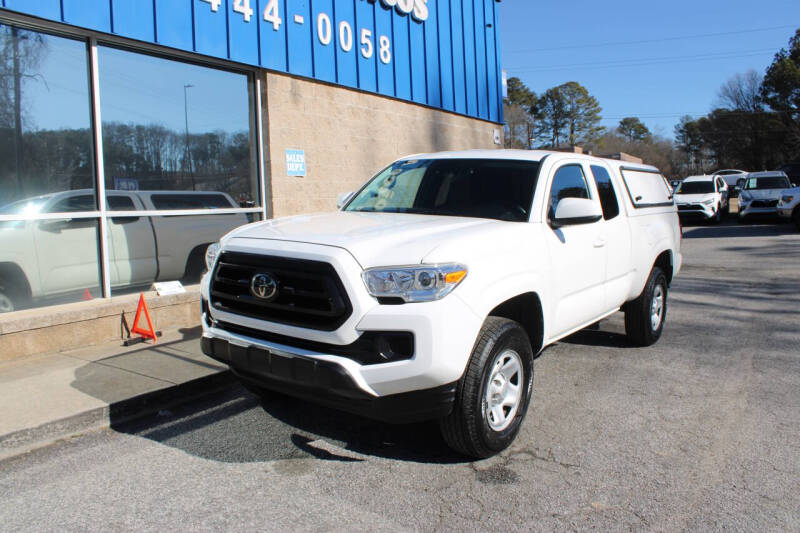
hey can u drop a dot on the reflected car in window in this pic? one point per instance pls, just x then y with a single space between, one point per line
53 258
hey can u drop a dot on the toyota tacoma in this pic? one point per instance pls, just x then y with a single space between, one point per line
431 290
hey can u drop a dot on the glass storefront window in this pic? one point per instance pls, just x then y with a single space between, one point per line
45 119
163 248
174 126
49 261
176 137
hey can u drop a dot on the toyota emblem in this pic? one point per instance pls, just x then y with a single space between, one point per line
263 286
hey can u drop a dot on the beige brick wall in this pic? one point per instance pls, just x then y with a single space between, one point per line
348 136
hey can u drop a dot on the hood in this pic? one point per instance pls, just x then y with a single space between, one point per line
764 194
694 198
374 239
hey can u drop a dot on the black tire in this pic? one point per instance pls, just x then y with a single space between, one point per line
467 428
7 303
639 326
796 217
717 218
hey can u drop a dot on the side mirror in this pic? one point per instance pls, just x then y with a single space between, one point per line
343 198
572 211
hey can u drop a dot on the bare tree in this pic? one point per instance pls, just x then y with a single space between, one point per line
742 92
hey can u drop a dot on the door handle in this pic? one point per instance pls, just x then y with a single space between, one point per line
599 243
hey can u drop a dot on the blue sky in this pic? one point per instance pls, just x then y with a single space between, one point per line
549 43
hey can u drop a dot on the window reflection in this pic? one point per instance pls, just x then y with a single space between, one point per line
45 136
176 137
163 248
174 126
45 262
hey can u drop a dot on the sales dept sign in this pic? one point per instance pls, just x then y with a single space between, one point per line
295 163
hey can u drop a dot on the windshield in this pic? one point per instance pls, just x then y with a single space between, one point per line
770 182
500 189
695 187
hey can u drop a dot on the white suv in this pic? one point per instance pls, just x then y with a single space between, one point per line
761 193
705 197
429 293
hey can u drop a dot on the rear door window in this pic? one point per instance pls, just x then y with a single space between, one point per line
608 196
73 204
190 201
647 188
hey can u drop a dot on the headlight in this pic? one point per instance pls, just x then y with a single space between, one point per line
708 202
745 196
422 283
787 199
211 255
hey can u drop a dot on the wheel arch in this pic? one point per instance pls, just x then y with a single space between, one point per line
665 262
13 274
525 308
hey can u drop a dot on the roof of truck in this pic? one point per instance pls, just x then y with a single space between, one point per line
523 155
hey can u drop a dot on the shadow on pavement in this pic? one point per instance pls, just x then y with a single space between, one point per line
235 426
595 337
730 228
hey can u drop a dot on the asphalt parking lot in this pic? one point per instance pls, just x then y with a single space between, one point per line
700 431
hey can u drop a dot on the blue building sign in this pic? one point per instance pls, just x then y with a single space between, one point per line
441 53
295 163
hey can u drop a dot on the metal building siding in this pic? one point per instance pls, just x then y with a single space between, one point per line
450 61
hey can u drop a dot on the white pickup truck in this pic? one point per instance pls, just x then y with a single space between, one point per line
430 292
55 260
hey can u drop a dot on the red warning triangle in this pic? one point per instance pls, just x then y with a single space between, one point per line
145 333
87 295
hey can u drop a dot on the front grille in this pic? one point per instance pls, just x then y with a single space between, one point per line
690 208
764 203
309 295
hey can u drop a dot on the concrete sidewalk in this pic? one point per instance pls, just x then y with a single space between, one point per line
52 396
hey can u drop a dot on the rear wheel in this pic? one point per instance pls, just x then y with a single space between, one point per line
493 395
796 217
644 316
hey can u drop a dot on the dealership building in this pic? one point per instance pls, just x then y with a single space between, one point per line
133 133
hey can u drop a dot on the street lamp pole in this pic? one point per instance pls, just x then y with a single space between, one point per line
186 118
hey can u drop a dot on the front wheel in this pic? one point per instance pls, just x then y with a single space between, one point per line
717 216
493 395
796 217
644 316
6 303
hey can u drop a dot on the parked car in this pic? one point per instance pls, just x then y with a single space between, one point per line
789 205
731 177
704 197
429 293
55 258
761 193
